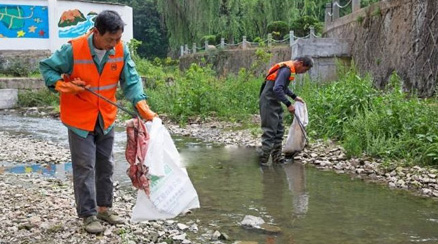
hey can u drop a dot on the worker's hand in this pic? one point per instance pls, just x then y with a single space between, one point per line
291 109
144 110
299 99
73 87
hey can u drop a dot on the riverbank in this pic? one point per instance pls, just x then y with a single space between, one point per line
41 210
325 155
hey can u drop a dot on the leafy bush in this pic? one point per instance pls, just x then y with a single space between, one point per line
278 29
197 92
212 40
260 41
301 26
383 124
41 97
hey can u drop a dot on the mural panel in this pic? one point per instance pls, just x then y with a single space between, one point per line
24 21
73 23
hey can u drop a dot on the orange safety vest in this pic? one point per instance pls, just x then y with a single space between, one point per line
81 110
273 71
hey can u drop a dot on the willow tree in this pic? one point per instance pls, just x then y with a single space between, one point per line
189 20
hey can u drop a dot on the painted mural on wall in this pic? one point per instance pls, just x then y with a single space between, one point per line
24 21
73 23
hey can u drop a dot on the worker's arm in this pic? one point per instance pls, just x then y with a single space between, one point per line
280 86
281 89
132 87
52 68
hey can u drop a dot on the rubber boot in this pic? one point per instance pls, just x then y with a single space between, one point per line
264 158
277 156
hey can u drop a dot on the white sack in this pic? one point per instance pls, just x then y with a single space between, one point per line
172 192
296 139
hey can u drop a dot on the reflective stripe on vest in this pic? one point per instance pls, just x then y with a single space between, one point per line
273 71
81 110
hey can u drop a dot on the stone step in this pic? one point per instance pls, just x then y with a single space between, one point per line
8 98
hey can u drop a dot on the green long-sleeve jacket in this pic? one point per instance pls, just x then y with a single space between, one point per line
61 62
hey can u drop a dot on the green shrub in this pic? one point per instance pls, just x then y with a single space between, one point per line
197 92
212 40
301 26
278 29
42 97
378 123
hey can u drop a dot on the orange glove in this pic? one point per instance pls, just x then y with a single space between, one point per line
144 110
72 87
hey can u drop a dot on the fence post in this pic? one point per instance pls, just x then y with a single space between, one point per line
194 48
335 10
328 13
355 5
312 32
186 47
222 42
206 45
244 42
291 38
182 51
269 40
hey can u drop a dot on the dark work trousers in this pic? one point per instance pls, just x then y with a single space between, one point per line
93 167
271 114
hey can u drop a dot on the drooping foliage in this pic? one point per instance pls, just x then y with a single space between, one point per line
189 20
163 23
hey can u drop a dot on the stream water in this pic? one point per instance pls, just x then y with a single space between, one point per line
310 206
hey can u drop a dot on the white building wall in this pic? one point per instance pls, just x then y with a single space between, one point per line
56 8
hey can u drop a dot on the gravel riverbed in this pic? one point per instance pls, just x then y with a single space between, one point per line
35 209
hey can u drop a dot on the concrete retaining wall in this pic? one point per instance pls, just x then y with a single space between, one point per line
26 62
22 83
232 61
328 55
394 36
8 98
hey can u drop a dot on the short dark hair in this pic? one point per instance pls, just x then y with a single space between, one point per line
108 20
307 61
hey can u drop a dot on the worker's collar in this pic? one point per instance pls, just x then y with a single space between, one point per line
90 43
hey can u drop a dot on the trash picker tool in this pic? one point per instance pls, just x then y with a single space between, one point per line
133 114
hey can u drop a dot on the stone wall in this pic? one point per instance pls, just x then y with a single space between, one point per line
24 83
231 61
25 60
398 36
328 55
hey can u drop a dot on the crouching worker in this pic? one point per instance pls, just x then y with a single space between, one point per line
97 61
272 94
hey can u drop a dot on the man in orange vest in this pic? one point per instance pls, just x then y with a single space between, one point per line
97 61
272 94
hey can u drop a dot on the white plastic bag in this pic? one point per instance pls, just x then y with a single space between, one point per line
172 192
296 139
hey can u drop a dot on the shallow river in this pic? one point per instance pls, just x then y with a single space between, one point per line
310 206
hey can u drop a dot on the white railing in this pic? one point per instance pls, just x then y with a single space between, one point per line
244 44
332 9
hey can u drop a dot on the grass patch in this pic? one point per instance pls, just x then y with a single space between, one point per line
38 98
389 124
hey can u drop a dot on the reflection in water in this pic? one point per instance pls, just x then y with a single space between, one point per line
296 178
51 170
278 200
